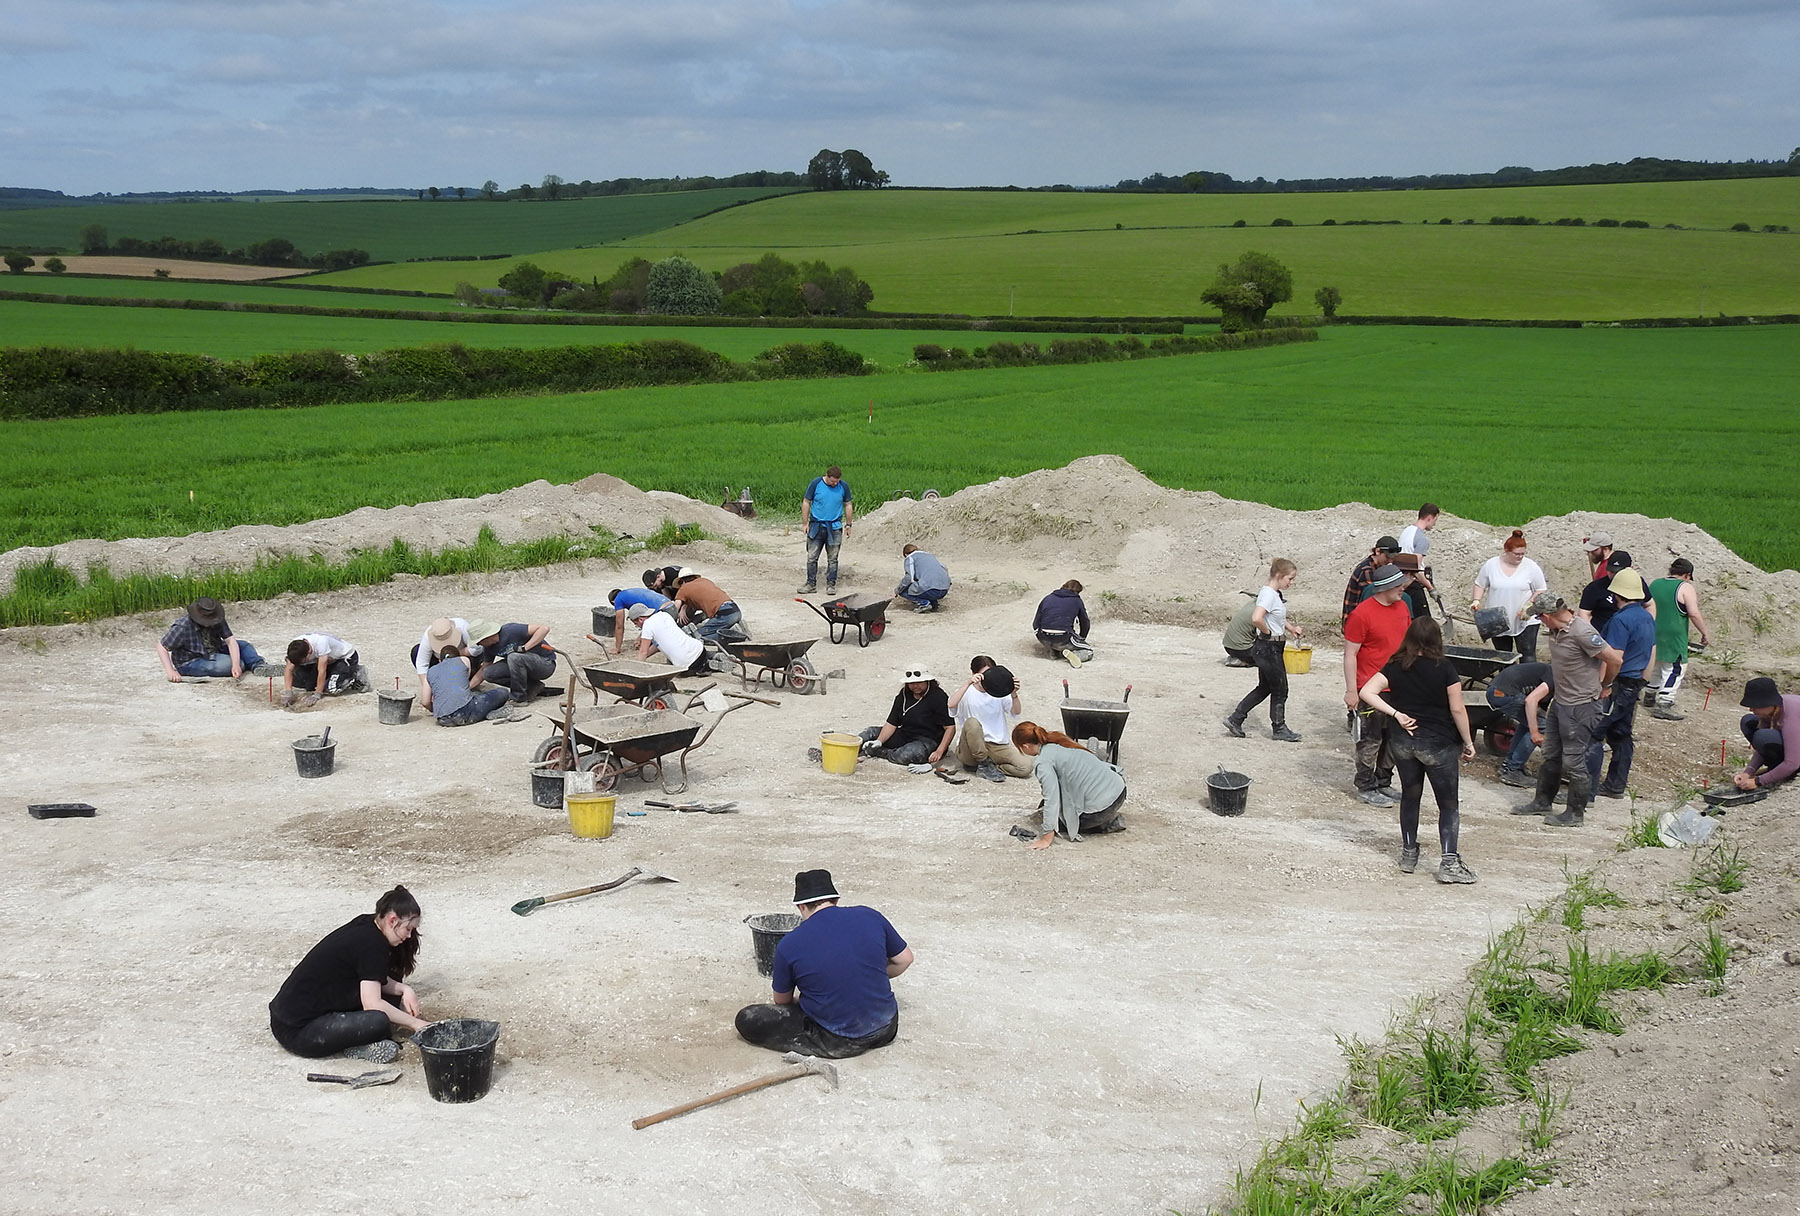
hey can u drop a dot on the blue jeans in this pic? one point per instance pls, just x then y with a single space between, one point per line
1522 746
828 535
220 664
480 706
922 598
728 617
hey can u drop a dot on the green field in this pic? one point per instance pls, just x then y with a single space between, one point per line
239 335
1480 420
989 253
389 230
273 292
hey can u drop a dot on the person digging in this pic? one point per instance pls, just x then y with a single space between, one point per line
1772 729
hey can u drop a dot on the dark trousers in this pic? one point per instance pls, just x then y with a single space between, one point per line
1568 733
330 1033
1416 763
1765 741
1525 644
787 1028
1265 654
1614 730
306 675
520 673
917 751
1416 600
1374 759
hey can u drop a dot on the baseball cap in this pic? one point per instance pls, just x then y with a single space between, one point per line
1545 602
1618 561
638 612
1599 540
1387 544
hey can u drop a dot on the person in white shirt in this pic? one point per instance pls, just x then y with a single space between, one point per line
320 664
1269 630
986 709
439 636
658 632
1415 538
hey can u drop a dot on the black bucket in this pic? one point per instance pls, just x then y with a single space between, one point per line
314 755
603 620
393 708
766 932
1491 623
1228 793
547 788
459 1058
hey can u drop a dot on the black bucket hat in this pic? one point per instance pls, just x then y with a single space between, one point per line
1761 693
206 612
812 886
997 682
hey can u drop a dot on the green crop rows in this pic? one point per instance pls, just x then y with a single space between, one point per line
1502 425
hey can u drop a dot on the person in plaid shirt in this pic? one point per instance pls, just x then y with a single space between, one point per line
202 644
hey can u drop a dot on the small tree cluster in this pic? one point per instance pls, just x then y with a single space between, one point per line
275 251
846 170
1245 290
775 287
768 287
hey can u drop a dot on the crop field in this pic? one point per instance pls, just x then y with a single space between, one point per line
989 253
389 230
240 335
179 289
1503 425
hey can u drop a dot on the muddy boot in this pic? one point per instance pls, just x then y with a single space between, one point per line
1234 726
1282 734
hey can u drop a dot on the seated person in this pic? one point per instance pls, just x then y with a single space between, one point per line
1772 728
659 634
987 706
833 996
919 727
925 582
1062 624
439 636
454 702
514 657
702 600
202 644
622 600
321 664
348 993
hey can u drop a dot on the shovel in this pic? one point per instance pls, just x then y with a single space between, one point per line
526 907
362 1080
709 808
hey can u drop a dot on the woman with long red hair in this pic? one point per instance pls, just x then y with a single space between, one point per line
1082 792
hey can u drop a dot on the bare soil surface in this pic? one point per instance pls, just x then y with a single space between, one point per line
146 268
1088 1028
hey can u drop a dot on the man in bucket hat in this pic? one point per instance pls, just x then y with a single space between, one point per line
202 644
832 978
1582 667
1772 729
919 728
441 636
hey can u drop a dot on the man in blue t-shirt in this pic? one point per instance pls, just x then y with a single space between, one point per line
825 518
1631 630
833 997
623 599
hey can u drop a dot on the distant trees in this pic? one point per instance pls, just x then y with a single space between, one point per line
434 192
93 239
775 287
552 186
768 287
1328 299
490 189
846 170
19 263
1246 289
55 265
678 288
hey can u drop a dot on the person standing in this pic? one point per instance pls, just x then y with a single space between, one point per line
1599 547
1415 538
987 706
1582 667
832 979
1372 633
825 511
1597 600
924 582
200 643
1772 729
1632 632
1508 582
1677 603
1357 589
1061 624
1269 629
1423 697
349 990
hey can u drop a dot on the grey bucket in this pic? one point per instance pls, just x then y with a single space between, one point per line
393 708
603 619
547 787
314 755
766 932
1228 793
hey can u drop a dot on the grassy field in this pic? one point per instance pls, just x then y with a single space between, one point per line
238 335
178 289
1066 254
1477 419
389 230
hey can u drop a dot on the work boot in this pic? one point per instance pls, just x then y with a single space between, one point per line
1566 819
1409 858
1283 735
987 770
1234 726
1518 778
381 1051
1611 793
1534 807
809 589
1452 870
1375 798
1667 714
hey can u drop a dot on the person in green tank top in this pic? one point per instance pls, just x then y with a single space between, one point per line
1677 606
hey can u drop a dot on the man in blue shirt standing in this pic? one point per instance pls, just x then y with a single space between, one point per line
833 997
1632 631
825 518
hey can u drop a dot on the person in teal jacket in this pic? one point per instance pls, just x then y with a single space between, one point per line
1082 792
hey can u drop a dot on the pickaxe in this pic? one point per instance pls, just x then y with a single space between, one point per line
804 1066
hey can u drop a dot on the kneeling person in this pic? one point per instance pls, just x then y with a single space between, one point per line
831 979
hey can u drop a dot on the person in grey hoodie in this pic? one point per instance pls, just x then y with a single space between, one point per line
925 582
1082 792
1062 624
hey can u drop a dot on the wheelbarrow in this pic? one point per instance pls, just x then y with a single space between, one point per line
868 613
785 663
647 685
1477 665
621 739
1101 720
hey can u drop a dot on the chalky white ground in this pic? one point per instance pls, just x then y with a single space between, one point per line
1086 1028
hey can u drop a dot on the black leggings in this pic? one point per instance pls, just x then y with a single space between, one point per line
1525 643
330 1033
1272 682
1414 762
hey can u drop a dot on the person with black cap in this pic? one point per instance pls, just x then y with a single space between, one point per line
1582 667
987 706
1597 600
1357 589
202 644
1772 729
834 995
919 728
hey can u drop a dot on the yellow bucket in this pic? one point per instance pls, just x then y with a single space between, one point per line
839 752
591 815
1297 660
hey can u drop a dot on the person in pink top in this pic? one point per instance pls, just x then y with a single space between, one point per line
1772 728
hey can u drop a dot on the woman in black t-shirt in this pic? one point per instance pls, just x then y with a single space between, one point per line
1424 695
347 991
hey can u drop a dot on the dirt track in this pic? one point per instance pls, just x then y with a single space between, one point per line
1086 1028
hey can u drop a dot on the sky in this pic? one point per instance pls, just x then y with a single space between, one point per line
145 95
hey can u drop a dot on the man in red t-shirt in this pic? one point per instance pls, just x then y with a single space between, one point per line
1372 633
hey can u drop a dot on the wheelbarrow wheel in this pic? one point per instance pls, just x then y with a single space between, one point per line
1499 738
606 775
802 677
553 753
872 631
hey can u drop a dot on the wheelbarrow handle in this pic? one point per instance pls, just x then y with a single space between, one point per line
744 696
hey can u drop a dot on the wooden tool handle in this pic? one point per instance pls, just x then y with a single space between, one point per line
327 1076
605 886
734 1091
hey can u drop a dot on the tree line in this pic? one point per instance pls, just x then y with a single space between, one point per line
1638 169
768 287
275 251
